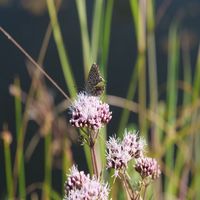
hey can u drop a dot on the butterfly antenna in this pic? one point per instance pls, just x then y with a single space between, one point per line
9 37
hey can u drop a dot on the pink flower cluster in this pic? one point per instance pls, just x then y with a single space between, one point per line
89 111
119 153
81 187
133 144
147 167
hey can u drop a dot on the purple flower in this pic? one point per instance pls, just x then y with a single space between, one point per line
147 167
81 187
89 111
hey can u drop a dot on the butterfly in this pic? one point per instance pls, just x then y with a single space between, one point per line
95 83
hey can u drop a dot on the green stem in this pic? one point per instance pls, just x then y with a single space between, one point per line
8 169
20 139
48 166
135 15
128 187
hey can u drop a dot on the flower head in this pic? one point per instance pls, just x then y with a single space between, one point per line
117 156
133 144
147 167
80 187
89 111
119 153
75 179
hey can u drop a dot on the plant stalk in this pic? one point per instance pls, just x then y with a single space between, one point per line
94 161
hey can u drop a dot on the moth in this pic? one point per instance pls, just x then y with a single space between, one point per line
95 85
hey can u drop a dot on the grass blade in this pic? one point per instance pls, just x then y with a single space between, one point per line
135 15
61 49
106 36
96 29
20 139
87 59
7 139
152 64
196 136
47 166
173 59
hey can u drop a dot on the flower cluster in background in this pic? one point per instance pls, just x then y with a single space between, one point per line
81 186
119 153
147 167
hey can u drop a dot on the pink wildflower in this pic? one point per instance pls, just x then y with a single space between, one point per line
89 111
119 153
81 187
117 158
75 179
147 167
133 144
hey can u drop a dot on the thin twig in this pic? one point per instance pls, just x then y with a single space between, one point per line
33 62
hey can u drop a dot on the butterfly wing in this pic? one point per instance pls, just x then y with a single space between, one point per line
95 83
